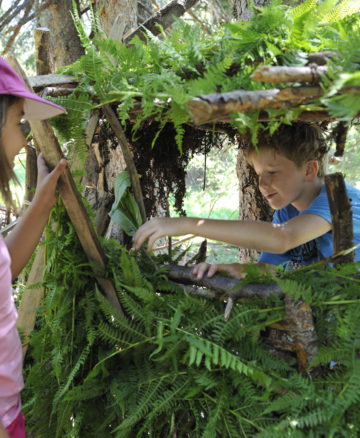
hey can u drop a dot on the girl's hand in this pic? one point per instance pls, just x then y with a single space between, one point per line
233 269
47 181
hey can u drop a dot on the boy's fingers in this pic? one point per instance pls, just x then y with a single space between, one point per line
212 270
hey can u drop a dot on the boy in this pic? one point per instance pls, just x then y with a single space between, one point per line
290 166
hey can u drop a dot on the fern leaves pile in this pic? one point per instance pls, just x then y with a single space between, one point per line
173 365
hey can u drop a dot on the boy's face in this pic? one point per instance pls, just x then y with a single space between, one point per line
12 136
280 181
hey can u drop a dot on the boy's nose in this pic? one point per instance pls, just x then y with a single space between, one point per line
263 182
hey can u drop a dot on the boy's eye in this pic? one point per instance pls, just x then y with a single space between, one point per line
273 172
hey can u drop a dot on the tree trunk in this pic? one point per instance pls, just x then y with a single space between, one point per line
252 205
117 17
242 9
58 19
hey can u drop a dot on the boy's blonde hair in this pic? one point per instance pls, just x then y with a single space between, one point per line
6 170
298 142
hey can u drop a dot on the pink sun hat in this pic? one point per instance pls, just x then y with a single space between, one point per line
35 107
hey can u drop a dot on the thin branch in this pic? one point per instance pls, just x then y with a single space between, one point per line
163 18
134 178
18 27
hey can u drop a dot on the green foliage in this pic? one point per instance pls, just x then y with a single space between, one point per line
172 364
165 72
125 211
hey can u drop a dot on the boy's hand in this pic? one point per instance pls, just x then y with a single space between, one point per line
47 181
233 269
159 227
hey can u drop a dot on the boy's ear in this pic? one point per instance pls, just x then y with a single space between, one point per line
312 169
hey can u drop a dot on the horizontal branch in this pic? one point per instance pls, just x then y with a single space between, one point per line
222 287
217 106
51 80
279 74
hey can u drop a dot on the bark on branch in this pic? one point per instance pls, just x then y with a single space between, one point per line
134 178
222 287
164 17
341 217
280 74
217 106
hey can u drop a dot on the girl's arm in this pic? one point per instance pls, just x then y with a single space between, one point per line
22 241
258 235
3 433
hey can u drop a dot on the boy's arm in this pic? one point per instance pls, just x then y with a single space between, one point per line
258 235
23 239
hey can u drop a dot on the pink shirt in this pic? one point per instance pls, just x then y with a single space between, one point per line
11 380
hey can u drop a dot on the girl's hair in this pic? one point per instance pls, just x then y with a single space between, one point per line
6 169
299 142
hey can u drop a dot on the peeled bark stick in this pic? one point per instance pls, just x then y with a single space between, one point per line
49 146
134 178
341 217
321 58
279 74
31 299
51 80
212 107
222 286
165 17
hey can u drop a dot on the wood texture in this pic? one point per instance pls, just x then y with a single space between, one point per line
220 286
31 299
217 106
134 178
301 329
280 74
341 217
44 52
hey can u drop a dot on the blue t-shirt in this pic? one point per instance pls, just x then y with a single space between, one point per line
322 246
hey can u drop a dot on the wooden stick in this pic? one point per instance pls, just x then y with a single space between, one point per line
278 74
341 217
71 198
49 80
31 299
216 106
222 287
134 178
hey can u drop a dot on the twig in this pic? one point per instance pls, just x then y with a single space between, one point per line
163 18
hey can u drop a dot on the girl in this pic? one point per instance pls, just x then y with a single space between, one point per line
17 102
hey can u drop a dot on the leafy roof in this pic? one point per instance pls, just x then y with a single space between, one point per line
162 74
